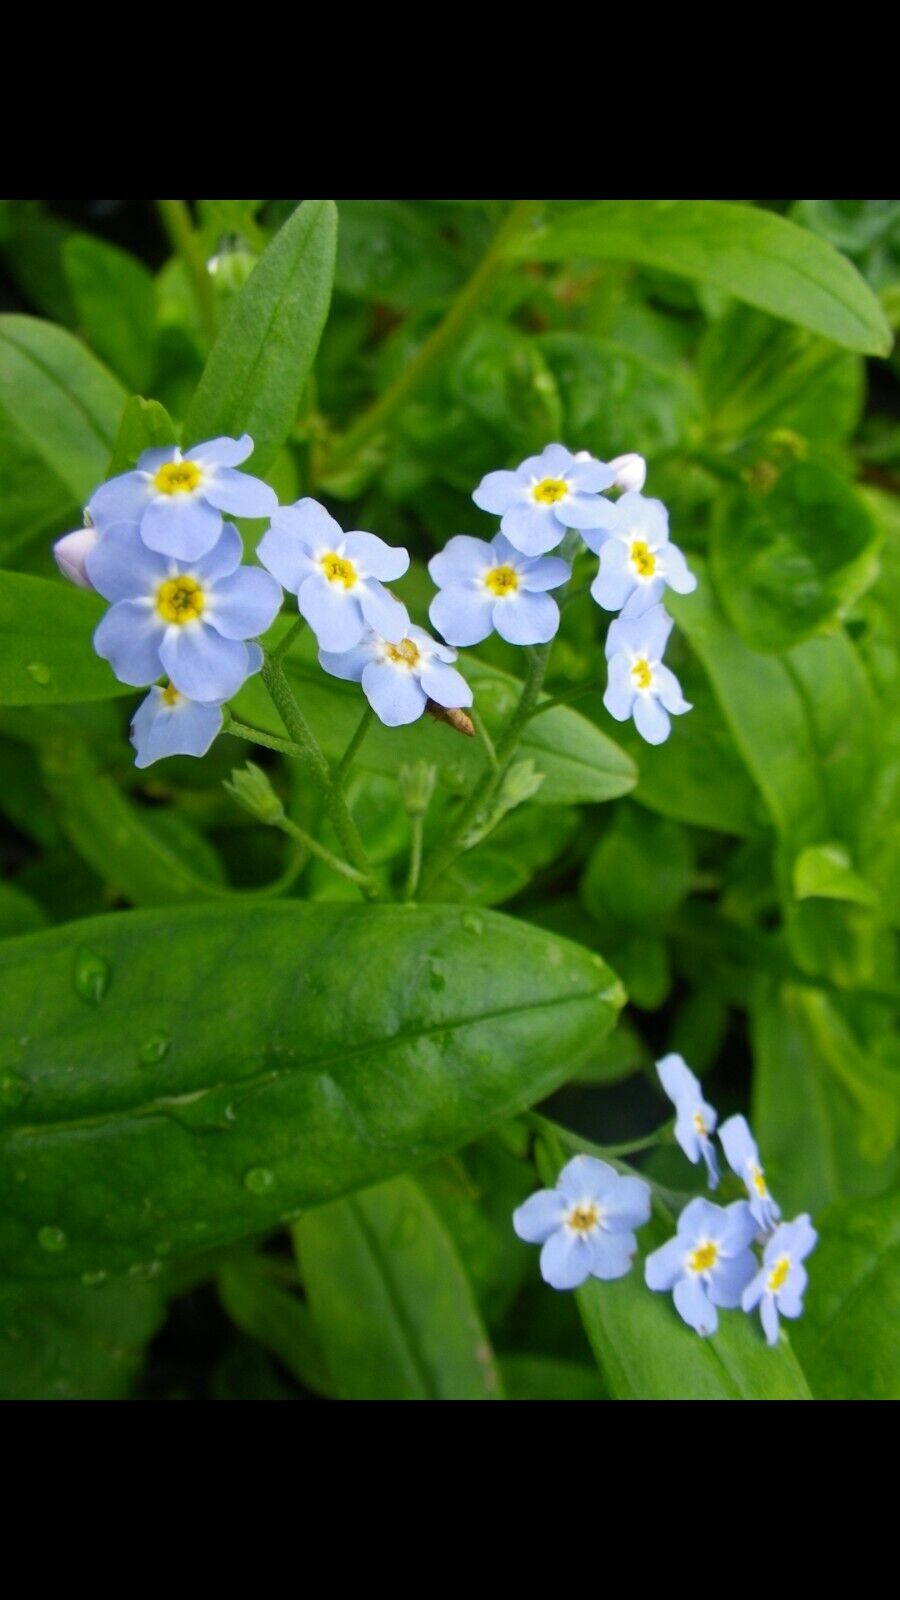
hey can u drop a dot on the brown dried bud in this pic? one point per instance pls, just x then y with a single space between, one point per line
458 719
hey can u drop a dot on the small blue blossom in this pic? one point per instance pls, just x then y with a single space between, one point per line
780 1283
709 1262
586 1224
398 679
639 685
177 497
546 495
338 577
188 620
486 586
168 724
637 560
695 1120
743 1158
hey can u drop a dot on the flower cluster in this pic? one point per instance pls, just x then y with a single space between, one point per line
585 1225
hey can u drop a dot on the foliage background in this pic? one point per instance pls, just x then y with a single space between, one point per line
742 881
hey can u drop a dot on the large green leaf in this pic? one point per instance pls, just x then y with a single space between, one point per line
760 258
62 401
391 1300
46 655
115 305
73 1341
191 1077
847 1337
258 366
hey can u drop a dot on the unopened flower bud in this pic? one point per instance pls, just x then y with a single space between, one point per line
251 789
69 553
416 782
630 471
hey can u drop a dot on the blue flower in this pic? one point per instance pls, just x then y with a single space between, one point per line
168 724
338 577
695 1119
546 495
638 684
781 1281
398 679
188 620
743 1158
709 1262
486 586
586 1224
177 497
636 559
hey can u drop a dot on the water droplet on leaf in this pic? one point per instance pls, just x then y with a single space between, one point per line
472 922
39 671
92 1280
91 976
52 1239
259 1180
154 1050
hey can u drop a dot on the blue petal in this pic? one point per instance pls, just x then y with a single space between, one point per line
769 1317
332 613
526 618
701 1220
595 538
349 664
224 557
382 611
393 693
730 1277
186 729
564 1262
740 1228
221 452
445 685
532 528
180 525
693 1306
541 1215
245 604
284 554
647 592
585 511
462 558
611 589
664 1267
586 1178
151 460
129 638
790 1299
498 490
686 1135
554 461
708 1150
429 646
546 572
637 514
739 1145
122 499
754 1291
627 1205
202 664
122 568
675 570
667 687
374 558
240 494
254 658
677 1079
653 627
463 616
650 719
590 476
619 694
309 522
611 1255
800 1237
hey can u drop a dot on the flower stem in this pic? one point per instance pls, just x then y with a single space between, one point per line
284 645
315 849
463 310
243 730
347 759
417 824
176 219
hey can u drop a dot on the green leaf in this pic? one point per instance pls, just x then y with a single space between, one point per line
115 305
72 1341
18 912
193 1076
46 655
257 370
753 254
145 424
788 559
847 1337
391 1300
276 1318
65 405
826 871
528 1377
640 871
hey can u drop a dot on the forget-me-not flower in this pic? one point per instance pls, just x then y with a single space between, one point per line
167 723
177 497
637 560
709 1262
398 679
780 1283
189 620
486 586
695 1119
546 495
743 1158
586 1224
639 685
338 577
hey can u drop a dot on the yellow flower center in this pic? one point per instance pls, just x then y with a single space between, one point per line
704 1257
180 600
583 1218
758 1181
170 695
642 558
502 580
699 1124
549 490
641 674
338 570
404 654
778 1274
177 477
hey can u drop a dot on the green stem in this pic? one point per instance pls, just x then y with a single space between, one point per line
347 759
176 219
463 310
551 704
487 741
243 730
284 645
417 824
316 849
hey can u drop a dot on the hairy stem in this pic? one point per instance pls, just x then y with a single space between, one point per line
176 219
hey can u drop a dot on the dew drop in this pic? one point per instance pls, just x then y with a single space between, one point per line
13 1090
52 1239
259 1180
91 976
154 1050
40 672
472 922
92 1280
145 1269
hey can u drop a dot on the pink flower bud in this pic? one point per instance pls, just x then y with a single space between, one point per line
70 552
